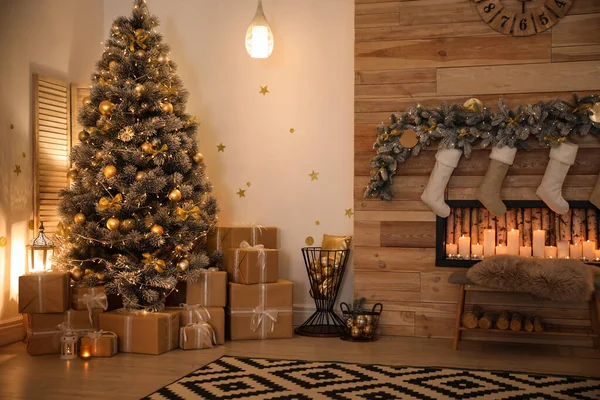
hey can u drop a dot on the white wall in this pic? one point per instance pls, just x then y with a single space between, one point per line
310 76
59 39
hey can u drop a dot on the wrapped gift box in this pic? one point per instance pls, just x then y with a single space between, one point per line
101 343
227 237
40 343
262 311
197 336
143 332
44 292
79 321
193 314
209 291
251 265
95 296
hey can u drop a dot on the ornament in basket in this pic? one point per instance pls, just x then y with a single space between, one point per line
360 324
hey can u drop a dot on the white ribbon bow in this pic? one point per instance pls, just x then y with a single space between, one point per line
100 301
205 334
261 262
202 312
259 314
95 335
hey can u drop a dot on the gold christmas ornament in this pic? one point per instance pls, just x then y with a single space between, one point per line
163 58
79 218
473 105
350 322
360 320
140 53
86 101
128 224
369 319
175 195
409 139
336 242
167 107
326 287
83 136
198 158
183 265
106 107
317 277
100 154
157 229
316 265
76 274
109 171
101 278
368 329
178 248
356 332
112 65
327 271
72 175
140 175
113 224
138 89
147 147
95 131
595 113
126 134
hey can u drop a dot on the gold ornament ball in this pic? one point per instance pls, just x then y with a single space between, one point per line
140 175
473 105
178 248
327 271
183 265
147 147
369 319
76 274
72 175
317 277
106 107
595 112
79 218
368 329
198 158
356 332
86 101
175 195
157 229
163 58
138 89
100 277
113 224
109 171
112 65
350 322
83 136
167 107
128 224
409 139
100 154
360 320
140 53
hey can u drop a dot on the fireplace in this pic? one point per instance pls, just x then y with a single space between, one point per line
529 228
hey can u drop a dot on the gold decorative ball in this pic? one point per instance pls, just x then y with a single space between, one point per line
140 175
317 277
79 218
409 139
183 265
72 175
473 105
595 112
109 171
198 158
360 320
100 277
369 329
178 248
356 332
138 89
83 136
128 224
140 53
86 101
324 261
167 107
100 154
157 229
95 131
147 147
76 274
327 271
163 58
113 224
326 287
175 195
113 64
369 319
350 322
106 107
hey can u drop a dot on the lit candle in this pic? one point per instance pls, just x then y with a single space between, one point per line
512 242
489 242
576 251
464 246
588 249
451 249
501 249
86 352
525 251
550 252
477 250
563 248
539 242
597 255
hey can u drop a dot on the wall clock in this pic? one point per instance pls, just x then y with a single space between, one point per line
522 17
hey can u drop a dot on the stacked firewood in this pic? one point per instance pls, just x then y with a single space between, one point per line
478 318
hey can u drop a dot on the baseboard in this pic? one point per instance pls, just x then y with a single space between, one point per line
301 314
11 331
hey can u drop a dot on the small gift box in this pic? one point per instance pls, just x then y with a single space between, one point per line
101 343
46 292
227 237
80 321
262 311
200 335
141 331
251 264
87 298
45 339
209 291
193 314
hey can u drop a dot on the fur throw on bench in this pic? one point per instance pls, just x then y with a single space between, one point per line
553 279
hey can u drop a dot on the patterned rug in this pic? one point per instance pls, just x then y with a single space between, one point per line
256 378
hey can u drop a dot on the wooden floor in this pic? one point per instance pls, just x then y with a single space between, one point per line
131 376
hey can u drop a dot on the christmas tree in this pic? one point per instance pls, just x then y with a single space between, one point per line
140 206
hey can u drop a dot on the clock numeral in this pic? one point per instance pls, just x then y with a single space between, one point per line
559 7
523 24
504 21
543 19
489 7
560 3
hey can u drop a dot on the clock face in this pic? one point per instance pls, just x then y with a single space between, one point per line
522 17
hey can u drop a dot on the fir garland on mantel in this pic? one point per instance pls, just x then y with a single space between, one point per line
461 126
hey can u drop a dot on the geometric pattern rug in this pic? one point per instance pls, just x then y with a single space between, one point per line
258 378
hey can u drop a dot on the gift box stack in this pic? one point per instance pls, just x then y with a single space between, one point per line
50 309
259 304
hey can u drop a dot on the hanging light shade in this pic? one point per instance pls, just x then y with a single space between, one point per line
259 37
39 252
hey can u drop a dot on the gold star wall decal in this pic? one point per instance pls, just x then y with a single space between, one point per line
292 130
241 193
309 241
349 212
221 148
17 169
248 184
264 90
317 223
314 176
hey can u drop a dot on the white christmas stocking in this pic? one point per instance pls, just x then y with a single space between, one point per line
433 195
488 192
550 190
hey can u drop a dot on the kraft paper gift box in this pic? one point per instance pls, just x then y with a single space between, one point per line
209 291
194 314
84 298
227 237
200 335
80 321
101 343
44 292
262 311
41 343
143 332
251 264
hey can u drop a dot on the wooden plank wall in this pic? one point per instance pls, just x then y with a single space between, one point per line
427 51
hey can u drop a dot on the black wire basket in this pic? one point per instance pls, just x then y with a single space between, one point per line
325 270
360 326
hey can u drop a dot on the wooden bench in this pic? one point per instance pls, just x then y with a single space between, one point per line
464 285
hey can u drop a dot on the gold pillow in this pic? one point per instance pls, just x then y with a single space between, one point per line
336 242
